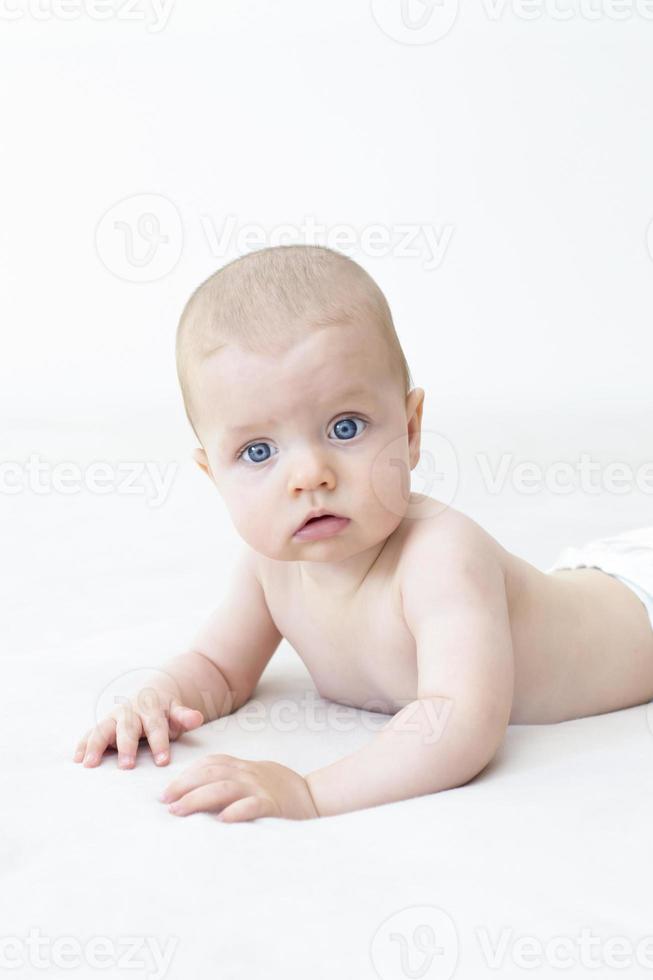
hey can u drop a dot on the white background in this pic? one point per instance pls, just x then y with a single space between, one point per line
525 146
523 142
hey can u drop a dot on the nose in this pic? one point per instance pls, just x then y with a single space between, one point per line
309 471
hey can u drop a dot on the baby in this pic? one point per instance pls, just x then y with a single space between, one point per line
296 386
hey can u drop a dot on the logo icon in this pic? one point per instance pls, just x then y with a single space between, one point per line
420 943
140 238
415 21
436 473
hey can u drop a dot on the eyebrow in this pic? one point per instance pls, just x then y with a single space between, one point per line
235 429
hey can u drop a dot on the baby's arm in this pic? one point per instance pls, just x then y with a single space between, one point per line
457 612
214 677
238 641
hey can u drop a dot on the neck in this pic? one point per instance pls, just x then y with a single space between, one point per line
341 578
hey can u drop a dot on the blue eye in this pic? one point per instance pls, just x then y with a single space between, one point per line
259 452
347 425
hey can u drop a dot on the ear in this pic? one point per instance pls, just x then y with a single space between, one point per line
200 457
414 408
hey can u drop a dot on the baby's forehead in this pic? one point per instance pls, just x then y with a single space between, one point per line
310 398
328 352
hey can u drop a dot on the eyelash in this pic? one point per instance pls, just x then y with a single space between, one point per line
257 442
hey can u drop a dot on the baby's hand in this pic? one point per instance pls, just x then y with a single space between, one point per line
242 789
151 714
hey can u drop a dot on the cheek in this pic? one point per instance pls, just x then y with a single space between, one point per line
389 476
249 511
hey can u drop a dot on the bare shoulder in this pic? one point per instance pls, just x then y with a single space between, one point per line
444 547
440 537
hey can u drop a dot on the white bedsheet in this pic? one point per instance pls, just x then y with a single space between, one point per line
551 840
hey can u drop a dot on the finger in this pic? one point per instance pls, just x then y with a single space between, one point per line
102 736
128 733
182 719
187 718
81 748
247 808
196 776
155 726
212 796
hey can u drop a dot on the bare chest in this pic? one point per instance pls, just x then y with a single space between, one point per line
359 652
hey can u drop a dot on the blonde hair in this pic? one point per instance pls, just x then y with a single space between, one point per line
267 299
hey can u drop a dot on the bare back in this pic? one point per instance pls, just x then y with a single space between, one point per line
582 640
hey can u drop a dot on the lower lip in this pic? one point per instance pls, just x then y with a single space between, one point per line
324 528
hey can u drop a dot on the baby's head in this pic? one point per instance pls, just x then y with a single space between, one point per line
298 391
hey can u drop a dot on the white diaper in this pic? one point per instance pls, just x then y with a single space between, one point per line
627 556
